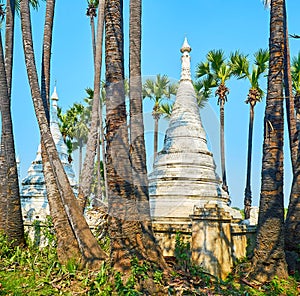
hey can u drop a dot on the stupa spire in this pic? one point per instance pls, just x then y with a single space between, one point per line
185 61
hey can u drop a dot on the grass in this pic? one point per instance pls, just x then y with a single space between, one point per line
33 271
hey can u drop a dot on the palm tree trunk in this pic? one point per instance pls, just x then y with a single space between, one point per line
92 23
9 42
248 194
269 257
91 254
46 58
138 151
222 146
156 118
292 235
80 159
10 205
93 137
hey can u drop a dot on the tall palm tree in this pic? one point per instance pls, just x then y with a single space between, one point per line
292 237
269 257
240 66
76 234
91 12
152 251
216 71
11 222
96 124
158 90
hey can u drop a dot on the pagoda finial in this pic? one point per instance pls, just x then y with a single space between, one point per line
186 61
54 95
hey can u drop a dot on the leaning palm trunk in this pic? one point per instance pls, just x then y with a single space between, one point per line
269 257
10 205
93 136
67 246
138 151
88 248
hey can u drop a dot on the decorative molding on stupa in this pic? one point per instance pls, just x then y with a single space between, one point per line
184 173
33 189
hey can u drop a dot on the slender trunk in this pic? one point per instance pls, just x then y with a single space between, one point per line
289 98
269 257
156 118
80 158
9 42
91 254
292 235
222 146
93 137
138 151
248 194
92 23
10 205
46 56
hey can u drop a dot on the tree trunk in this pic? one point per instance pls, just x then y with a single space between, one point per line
46 57
138 151
93 137
269 257
10 205
222 146
91 254
292 235
248 194
156 118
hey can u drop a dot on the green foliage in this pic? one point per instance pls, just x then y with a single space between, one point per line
182 252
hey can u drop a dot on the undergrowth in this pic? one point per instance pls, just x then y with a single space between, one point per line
36 271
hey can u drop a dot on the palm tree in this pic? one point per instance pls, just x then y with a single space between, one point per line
240 66
216 72
91 12
158 90
151 250
11 222
269 257
96 124
292 238
75 234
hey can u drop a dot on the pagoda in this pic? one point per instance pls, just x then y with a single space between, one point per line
184 172
33 189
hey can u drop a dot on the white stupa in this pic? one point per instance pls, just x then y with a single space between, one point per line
184 173
33 189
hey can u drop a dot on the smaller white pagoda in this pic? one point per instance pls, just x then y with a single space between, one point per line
33 189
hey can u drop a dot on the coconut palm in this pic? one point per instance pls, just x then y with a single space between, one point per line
269 257
216 72
240 66
158 91
75 234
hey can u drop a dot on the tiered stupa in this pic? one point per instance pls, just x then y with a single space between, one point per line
33 190
184 172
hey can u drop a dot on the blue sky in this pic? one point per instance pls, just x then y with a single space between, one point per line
227 25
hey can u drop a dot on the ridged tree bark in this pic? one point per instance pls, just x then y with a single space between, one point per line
88 248
86 175
10 205
269 257
292 224
137 145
